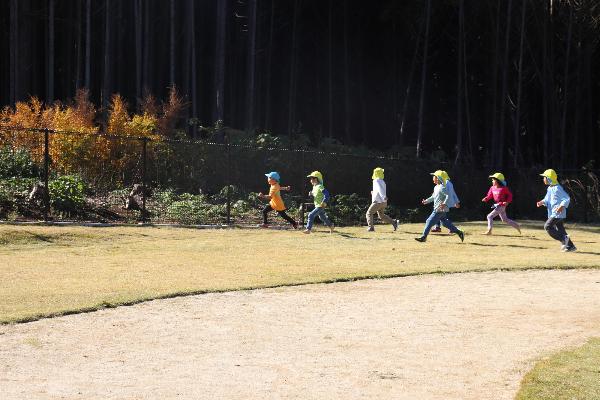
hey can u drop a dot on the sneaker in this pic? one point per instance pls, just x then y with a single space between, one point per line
566 241
420 239
331 228
370 229
395 224
263 225
461 235
307 231
436 229
488 233
570 249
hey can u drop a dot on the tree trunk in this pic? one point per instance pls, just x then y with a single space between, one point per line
88 44
346 77
147 70
459 88
219 90
172 43
503 98
192 33
50 66
423 81
14 52
492 142
413 66
563 125
517 134
107 87
251 65
80 29
137 11
546 93
293 69
268 76
330 69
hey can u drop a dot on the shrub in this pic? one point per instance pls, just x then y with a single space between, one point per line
348 209
16 163
67 194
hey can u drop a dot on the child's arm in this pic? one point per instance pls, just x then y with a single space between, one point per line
488 196
507 197
544 201
285 188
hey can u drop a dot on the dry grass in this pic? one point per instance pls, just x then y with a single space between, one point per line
51 270
572 374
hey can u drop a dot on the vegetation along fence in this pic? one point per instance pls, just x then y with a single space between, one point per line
64 176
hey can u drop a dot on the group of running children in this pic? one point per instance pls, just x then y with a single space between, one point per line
443 198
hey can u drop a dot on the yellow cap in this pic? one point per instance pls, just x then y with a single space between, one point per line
440 174
499 176
445 176
316 174
551 175
377 173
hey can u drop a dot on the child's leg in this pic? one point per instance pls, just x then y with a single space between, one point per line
490 218
431 221
372 210
504 217
560 228
323 216
289 219
383 216
552 227
448 224
266 212
311 218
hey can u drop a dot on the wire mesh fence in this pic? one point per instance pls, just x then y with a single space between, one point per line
56 175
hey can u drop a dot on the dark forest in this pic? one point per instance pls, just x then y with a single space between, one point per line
496 83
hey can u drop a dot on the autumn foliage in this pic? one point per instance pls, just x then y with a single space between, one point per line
79 142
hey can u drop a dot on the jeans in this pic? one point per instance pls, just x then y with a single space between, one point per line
436 217
317 212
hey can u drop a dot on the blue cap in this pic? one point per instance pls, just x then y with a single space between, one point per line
273 175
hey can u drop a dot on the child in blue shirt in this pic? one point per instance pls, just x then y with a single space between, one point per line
556 201
453 200
440 208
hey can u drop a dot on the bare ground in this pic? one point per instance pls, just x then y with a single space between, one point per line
462 336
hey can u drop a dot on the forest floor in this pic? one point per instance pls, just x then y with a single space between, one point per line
457 336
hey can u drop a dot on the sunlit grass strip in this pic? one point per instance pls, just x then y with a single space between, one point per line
51 271
572 374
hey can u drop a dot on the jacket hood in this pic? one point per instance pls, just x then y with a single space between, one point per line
377 173
551 175
499 176
440 175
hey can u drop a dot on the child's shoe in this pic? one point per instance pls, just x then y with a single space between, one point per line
488 232
395 224
566 241
461 235
370 229
570 249
421 239
436 229
307 231
331 228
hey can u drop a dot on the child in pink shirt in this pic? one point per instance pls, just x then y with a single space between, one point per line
502 197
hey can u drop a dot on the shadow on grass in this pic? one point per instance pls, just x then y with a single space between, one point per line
505 245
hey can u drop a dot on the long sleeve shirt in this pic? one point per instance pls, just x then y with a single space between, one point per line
378 195
501 195
438 196
453 199
556 197
317 194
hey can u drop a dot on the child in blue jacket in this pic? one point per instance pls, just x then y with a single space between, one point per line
556 201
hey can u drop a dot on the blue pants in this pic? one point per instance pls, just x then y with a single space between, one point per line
436 217
317 212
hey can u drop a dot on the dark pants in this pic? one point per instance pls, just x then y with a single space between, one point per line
556 229
281 213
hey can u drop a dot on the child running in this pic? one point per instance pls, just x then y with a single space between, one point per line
379 201
321 197
557 202
453 200
275 200
440 209
502 197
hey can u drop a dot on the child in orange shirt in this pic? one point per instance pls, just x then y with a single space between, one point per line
275 200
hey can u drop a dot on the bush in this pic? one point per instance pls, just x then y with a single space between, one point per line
67 194
16 163
349 209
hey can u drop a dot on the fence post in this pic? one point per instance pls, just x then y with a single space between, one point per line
46 173
228 179
144 156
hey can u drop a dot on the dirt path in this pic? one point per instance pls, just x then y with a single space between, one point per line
464 336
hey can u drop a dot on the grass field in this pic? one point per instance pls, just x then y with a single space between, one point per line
55 270
567 375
